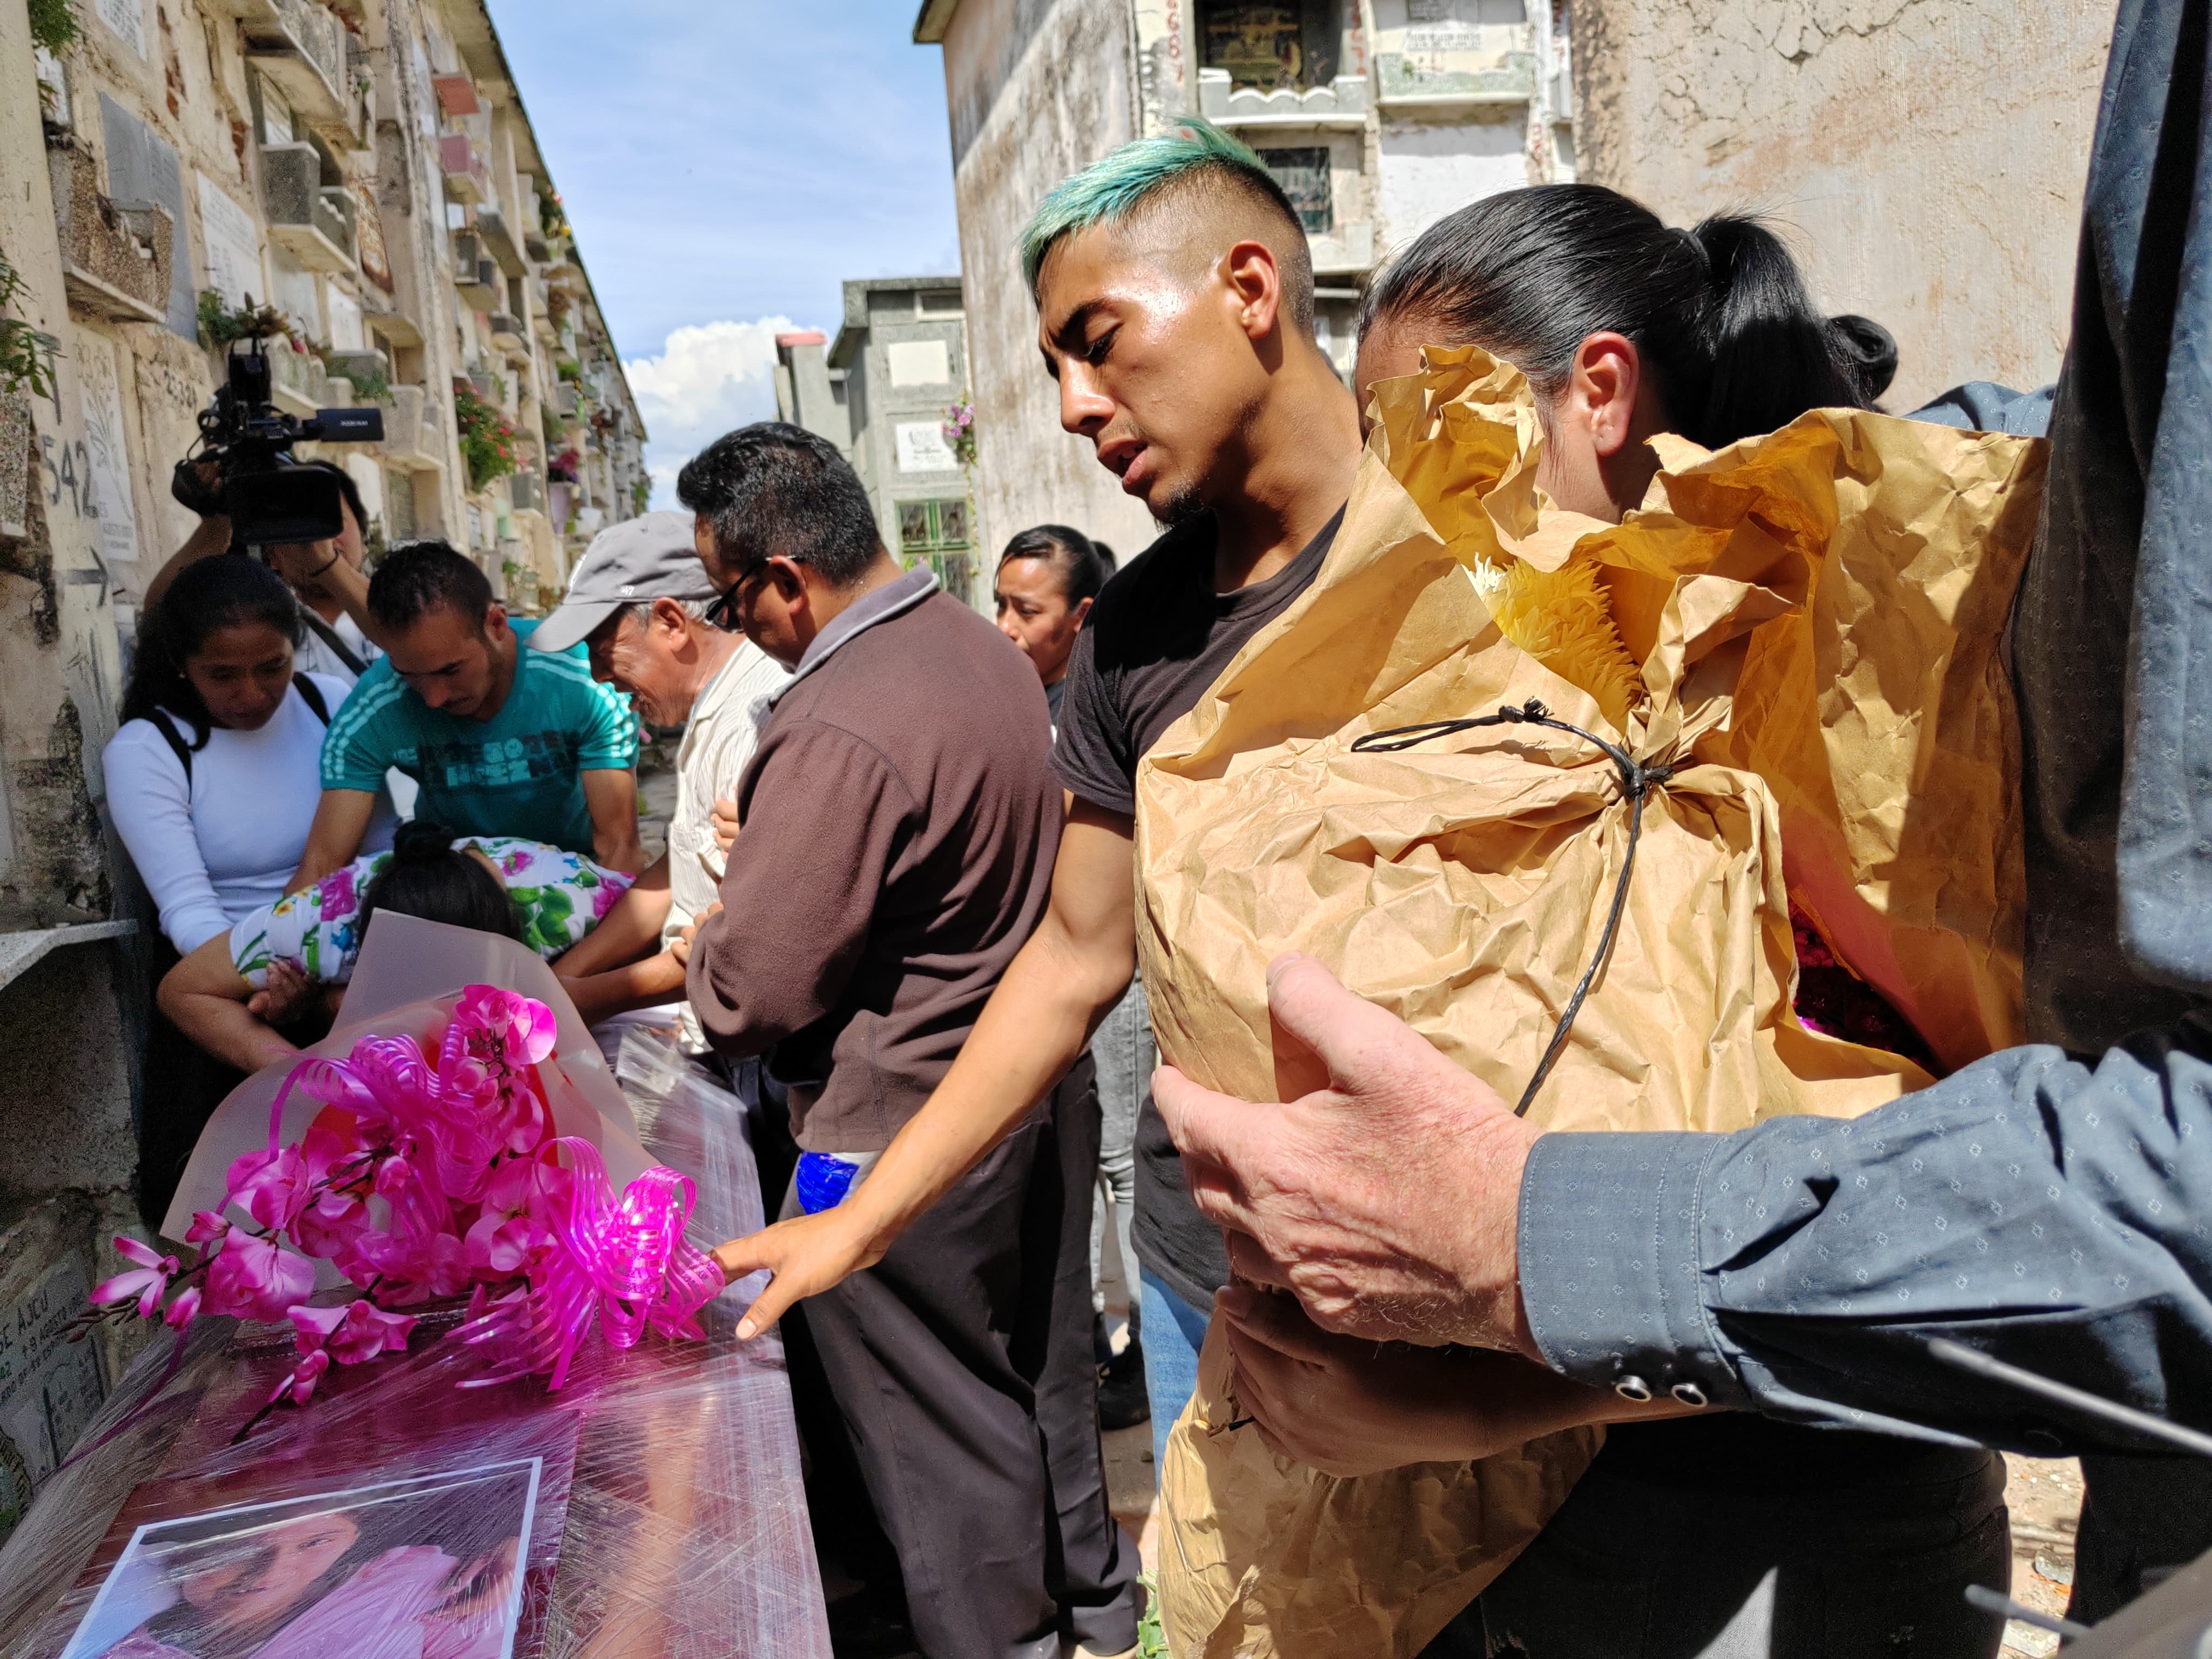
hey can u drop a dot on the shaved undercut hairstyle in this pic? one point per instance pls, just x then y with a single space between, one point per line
1197 189
771 490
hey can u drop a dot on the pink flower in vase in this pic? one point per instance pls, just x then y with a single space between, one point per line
519 1030
146 1281
185 1309
407 1271
300 1381
507 1235
253 1278
270 1187
351 1335
331 1223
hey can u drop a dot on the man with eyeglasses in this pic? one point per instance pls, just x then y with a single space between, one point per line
639 604
898 824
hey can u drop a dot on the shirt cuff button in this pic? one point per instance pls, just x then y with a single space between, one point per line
1633 1388
1689 1394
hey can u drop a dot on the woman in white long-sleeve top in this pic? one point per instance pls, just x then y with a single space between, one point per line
212 781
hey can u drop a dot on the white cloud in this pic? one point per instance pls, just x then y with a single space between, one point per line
708 378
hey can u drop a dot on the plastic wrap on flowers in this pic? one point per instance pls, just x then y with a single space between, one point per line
685 1529
402 987
431 1167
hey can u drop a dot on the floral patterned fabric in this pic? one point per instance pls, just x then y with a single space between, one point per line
558 895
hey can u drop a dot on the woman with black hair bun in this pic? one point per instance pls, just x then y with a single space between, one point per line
1625 327
231 995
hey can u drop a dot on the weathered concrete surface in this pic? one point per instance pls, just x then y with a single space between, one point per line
1932 153
1037 89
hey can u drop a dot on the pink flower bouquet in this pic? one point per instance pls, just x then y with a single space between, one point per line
425 1176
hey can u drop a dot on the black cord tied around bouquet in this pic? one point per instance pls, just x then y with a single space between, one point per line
1637 782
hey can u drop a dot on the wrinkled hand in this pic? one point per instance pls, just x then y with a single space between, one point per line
1387 1199
807 1255
680 946
287 996
725 815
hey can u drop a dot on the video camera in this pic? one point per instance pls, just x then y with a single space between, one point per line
268 497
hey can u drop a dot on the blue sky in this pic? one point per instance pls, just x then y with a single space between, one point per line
726 165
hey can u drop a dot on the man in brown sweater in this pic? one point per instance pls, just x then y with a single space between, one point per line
899 822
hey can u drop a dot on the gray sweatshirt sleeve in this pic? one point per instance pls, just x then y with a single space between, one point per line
2055 1215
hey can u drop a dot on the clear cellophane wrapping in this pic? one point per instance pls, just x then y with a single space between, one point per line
680 1527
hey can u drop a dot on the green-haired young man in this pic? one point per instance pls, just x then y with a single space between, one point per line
1175 306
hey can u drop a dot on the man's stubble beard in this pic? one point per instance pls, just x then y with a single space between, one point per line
1181 508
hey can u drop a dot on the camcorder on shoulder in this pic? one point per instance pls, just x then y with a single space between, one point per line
246 443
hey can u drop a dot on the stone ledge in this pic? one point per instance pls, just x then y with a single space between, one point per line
21 950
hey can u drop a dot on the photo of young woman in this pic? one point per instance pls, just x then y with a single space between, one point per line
420 1569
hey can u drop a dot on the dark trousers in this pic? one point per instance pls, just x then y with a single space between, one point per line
2139 1514
1627 1569
962 1364
179 1088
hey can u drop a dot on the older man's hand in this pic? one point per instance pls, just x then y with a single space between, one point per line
1386 1200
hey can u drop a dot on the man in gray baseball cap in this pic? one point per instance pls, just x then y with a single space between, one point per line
638 600
633 562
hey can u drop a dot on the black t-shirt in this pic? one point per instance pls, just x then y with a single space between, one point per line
1154 644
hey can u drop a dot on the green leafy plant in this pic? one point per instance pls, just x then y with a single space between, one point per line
54 25
487 441
371 385
221 323
1152 1641
549 423
26 354
641 492
552 220
570 370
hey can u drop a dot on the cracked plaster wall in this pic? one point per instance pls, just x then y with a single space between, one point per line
1930 153
1037 89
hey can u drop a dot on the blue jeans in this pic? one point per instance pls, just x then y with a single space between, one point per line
1174 1330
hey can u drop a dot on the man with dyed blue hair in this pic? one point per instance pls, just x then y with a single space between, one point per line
1175 307
1171 186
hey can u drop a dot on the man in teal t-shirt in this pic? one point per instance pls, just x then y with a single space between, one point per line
503 741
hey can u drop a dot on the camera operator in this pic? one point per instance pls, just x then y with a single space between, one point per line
327 575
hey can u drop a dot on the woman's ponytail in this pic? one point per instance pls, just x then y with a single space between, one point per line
1771 355
1720 315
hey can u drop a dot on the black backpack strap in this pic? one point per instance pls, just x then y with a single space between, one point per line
168 728
311 694
339 648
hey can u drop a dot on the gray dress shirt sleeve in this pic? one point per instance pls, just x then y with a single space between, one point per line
2055 1214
